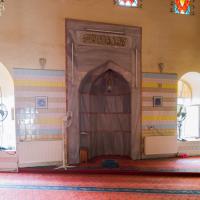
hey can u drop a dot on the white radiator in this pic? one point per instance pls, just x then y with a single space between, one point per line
8 161
39 153
156 145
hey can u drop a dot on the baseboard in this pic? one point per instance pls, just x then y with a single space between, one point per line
159 156
40 164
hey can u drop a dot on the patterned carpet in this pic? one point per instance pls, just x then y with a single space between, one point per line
27 186
190 164
168 166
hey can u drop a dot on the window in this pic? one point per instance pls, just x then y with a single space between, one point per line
184 7
188 114
184 93
184 100
129 3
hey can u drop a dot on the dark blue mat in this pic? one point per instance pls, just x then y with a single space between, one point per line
110 164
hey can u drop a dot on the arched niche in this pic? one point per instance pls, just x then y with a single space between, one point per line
116 48
105 114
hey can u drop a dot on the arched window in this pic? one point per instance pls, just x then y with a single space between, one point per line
188 108
129 3
184 92
184 100
185 7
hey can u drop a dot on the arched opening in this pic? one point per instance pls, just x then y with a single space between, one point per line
189 106
105 114
7 122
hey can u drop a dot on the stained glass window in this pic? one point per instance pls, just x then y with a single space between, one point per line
129 3
185 7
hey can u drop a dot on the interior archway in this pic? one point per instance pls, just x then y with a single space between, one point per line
105 114
7 123
189 106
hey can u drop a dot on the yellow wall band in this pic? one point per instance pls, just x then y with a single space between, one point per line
32 83
157 85
159 118
48 121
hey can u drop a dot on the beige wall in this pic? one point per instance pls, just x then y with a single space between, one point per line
30 29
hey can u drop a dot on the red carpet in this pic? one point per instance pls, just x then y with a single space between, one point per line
175 166
23 186
65 185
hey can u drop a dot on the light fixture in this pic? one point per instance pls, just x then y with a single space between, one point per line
42 62
161 67
2 6
109 81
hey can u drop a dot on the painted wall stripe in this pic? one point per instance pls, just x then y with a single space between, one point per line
43 137
40 89
40 131
167 95
159 80
158 113
32 99
32 104
48 121
32 83
42 126
100 189
158 118
165 104
30 92
166 99
166 108
40 78
58 116
159 134
52 110
160 90
159 76
161 126
49 110
156 122
37 72
155 85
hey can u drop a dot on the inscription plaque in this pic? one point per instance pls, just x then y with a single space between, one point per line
103 39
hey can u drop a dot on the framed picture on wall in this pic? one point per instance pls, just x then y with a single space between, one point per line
157 101
41 102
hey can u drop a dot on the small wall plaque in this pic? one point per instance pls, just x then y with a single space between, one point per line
157 101
41 102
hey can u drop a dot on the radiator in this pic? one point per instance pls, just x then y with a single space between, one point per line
39 153
8 161
156 145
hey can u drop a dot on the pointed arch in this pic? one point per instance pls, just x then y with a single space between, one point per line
109 65
105 111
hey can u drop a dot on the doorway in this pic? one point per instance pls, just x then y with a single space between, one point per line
7 122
